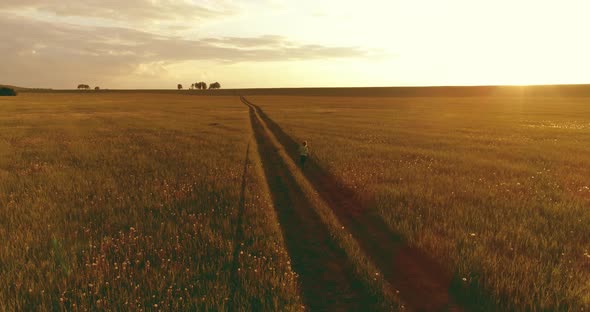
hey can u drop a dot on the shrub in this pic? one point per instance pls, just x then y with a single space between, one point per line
7 92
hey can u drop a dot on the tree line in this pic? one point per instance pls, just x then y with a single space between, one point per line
194 86
201 86
87 87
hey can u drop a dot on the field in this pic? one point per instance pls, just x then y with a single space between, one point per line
172 201
495 188
129 202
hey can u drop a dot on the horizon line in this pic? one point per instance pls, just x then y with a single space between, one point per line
312 87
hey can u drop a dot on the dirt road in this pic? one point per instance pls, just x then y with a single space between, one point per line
423 284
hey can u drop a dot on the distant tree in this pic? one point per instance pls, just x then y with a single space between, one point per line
97 88
201 85
192 86
215 85
179 86
83 87
7 92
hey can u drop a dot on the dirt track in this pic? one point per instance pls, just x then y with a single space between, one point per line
423 284
327 280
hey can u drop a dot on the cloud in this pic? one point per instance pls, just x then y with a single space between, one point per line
128 10
64 54
267 40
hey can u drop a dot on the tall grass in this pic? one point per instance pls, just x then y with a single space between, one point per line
495 187
130 202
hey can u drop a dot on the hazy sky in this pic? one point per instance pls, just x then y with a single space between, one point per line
280 43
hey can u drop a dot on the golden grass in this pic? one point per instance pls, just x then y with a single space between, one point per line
496 188
130 201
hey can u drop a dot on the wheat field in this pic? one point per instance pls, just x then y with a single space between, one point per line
172 201
132 202
494 187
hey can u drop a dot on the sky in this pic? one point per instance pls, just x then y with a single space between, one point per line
156 44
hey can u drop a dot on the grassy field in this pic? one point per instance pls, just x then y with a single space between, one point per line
494 187
136 202
167 201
